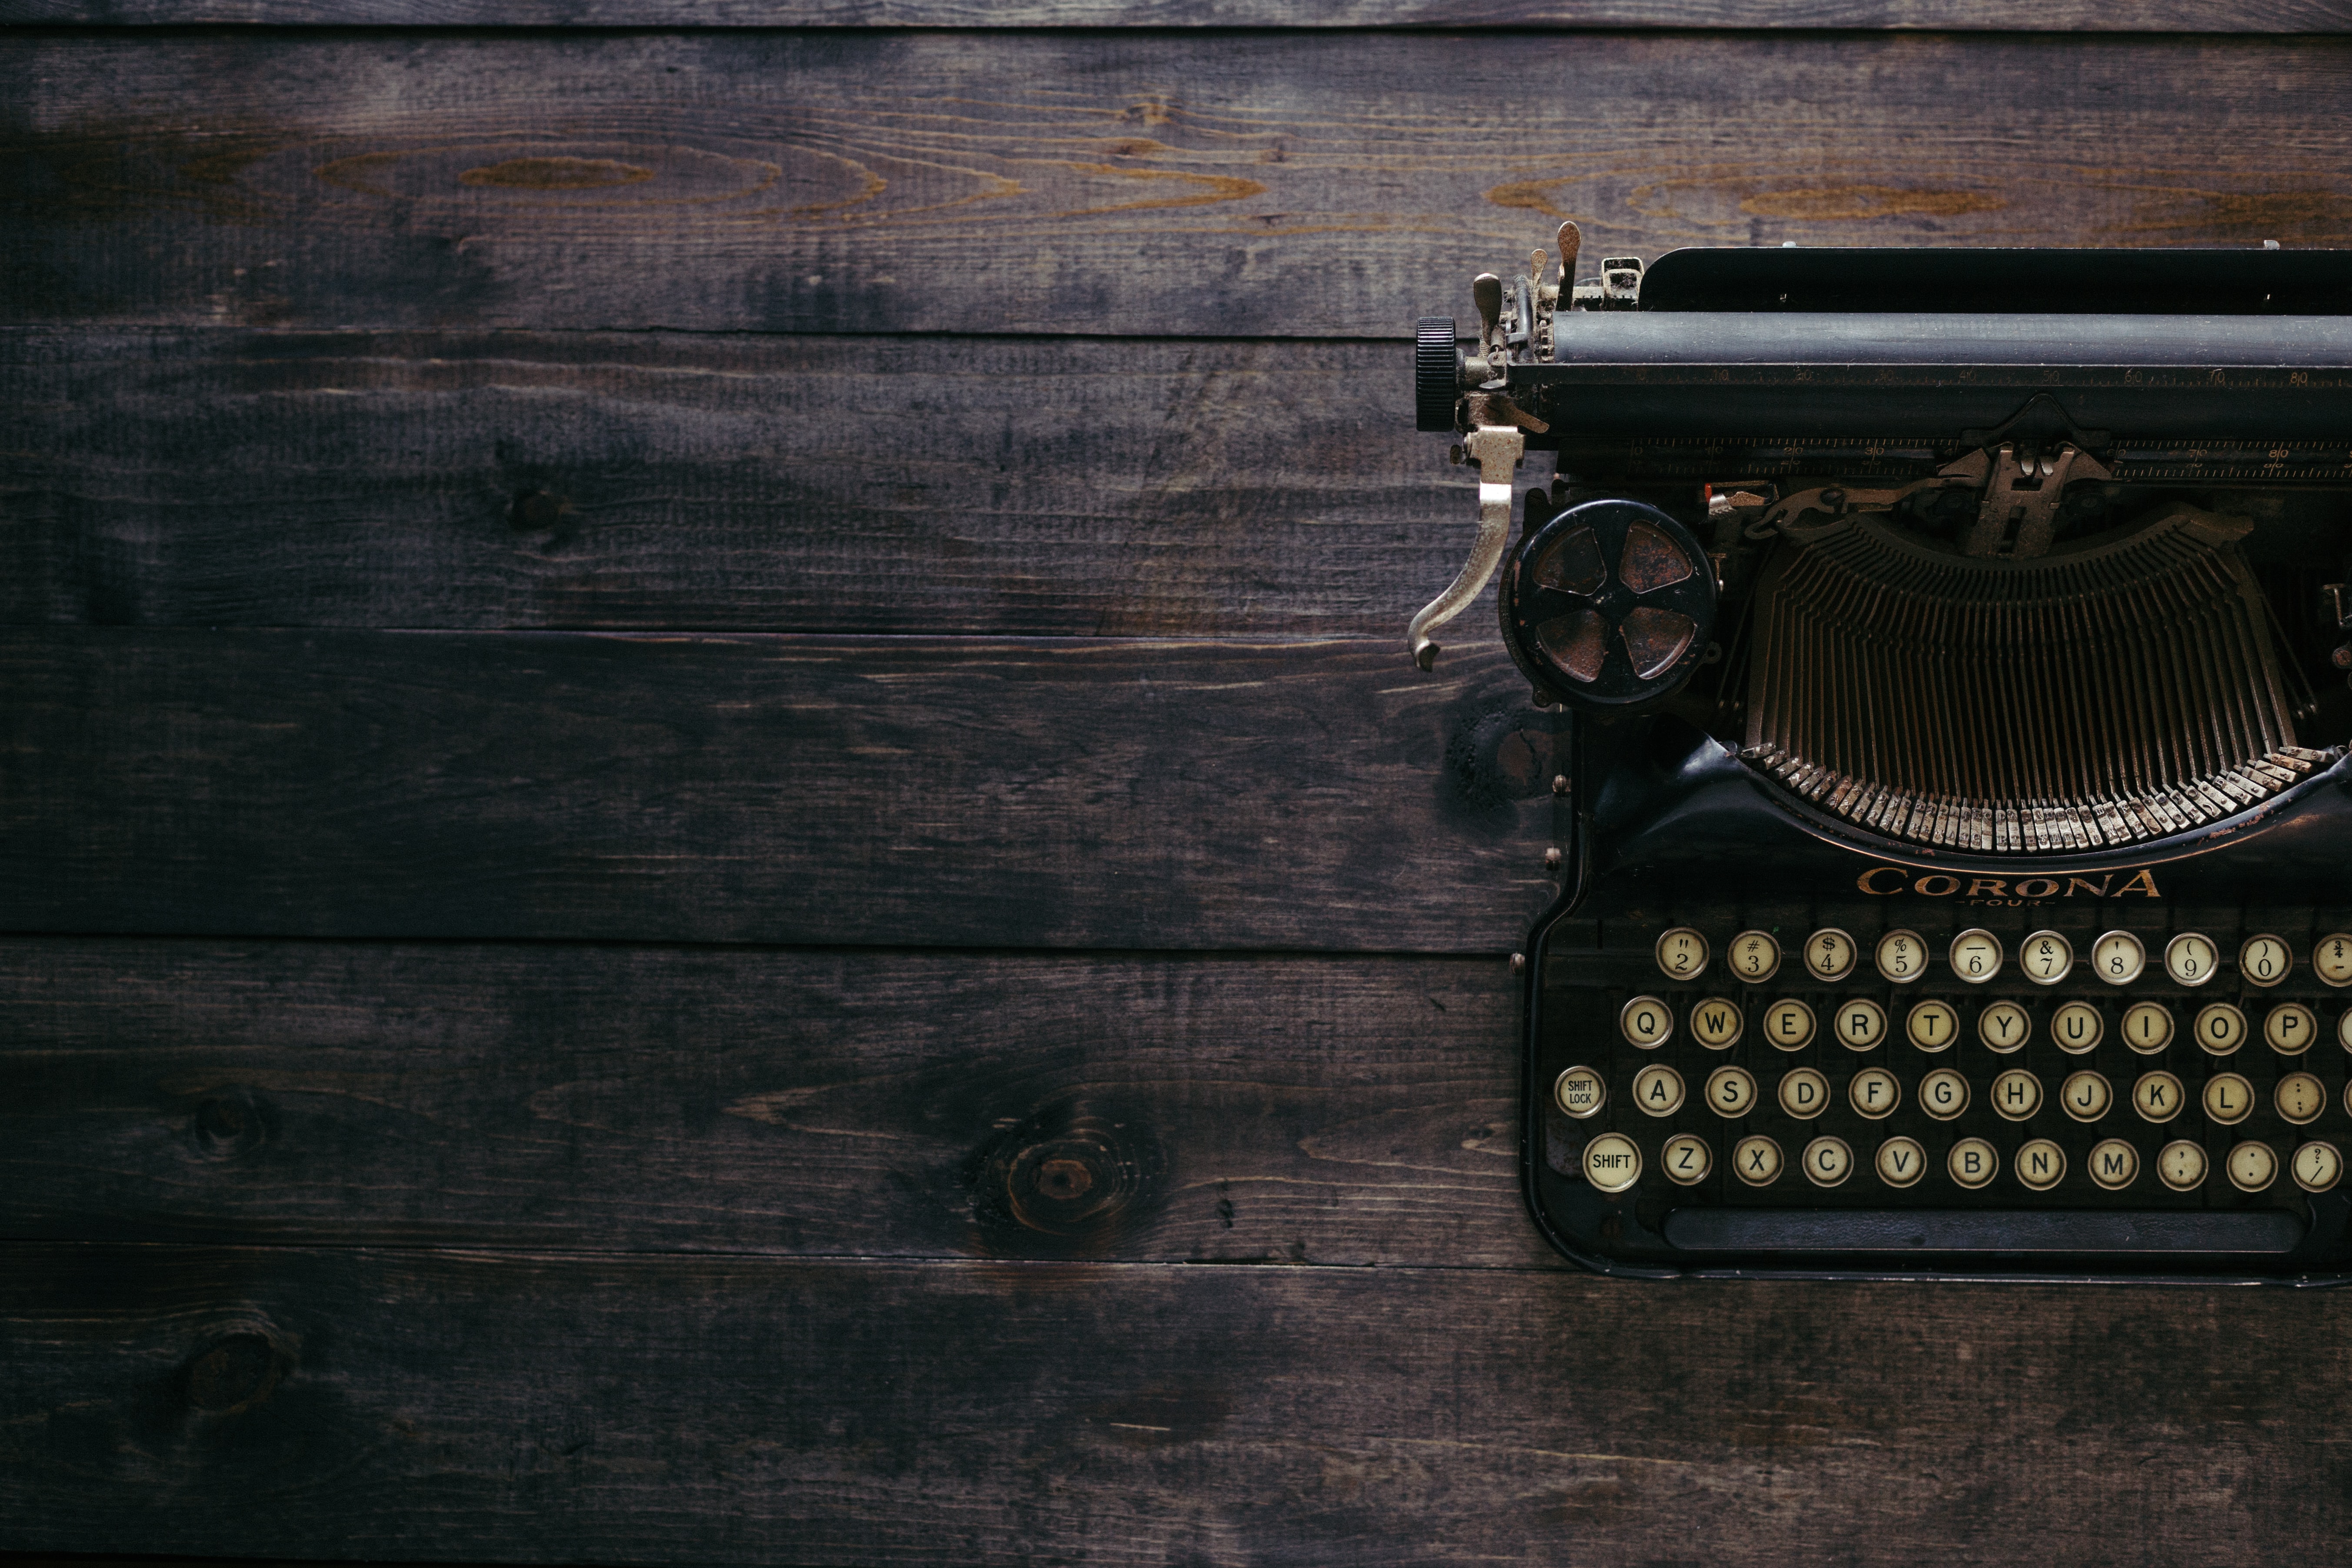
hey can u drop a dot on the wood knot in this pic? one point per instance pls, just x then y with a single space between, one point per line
1069 1181
235 1372
228 1122
536 511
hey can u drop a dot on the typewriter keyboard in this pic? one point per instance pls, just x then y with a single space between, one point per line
1753 1066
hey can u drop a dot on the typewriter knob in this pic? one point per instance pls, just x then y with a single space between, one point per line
1436 374
1609 604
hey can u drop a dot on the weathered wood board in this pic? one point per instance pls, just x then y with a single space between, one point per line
924 486
1299 185
1058 793
849 1103
2006 16
681 1409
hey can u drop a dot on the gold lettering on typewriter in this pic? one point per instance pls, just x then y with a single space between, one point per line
1886 881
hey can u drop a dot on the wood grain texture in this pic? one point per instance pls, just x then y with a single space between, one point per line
876 1104
1073 487
1954 16
687 1409
667 787
1154 183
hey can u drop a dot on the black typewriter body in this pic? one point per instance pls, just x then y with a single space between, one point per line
1958 843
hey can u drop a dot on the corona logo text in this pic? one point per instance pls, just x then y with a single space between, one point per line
1886 881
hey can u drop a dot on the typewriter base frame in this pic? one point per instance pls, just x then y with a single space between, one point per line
1714 802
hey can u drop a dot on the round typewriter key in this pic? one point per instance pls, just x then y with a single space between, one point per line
2227 1098
1874 1093
1860 1023
2299 1098
2180 1165
1579 1092
2344 1030
2316 1167
2290 1029
2263 961
2084 1096
2252 1167
1829 955
2004 1027
2016 1094
1788 1024
1757 1160
2075 1027
2220 1029
1754 956
1932 1025
1646 1022
2114 1164
2117 958
1943 1094
2147 1026
1972 1162
1902 956
2046 957
1828 1162
1901 1161
1682 953
1658 1090
2041 1164
1804 1093
1730 1091
1613 1162
1685 1159
1975 956
2191 958
2331 959
1716 1024
2159 1097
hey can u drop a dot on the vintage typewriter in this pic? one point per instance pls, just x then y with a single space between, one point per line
1957 860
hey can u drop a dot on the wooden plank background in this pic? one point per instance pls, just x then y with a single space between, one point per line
716 848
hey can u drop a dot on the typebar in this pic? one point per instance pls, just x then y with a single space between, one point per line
1981 1230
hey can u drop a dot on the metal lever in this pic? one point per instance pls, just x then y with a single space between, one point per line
1496 450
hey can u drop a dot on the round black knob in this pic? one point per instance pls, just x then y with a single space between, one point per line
1436 374
1610 603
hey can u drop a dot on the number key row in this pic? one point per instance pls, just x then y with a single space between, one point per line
2047 957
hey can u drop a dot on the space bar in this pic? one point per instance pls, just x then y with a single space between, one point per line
1981 1230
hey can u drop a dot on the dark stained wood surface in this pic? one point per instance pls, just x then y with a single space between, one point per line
1297 184
660 1409
2006 16
1037 1085
860 1103
1062 793
921 485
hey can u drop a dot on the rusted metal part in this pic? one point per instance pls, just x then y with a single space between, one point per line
2018 514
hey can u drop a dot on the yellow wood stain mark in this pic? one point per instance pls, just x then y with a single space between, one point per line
1868 201
1528 193
2271 215
1815 204
556 174
1220 188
